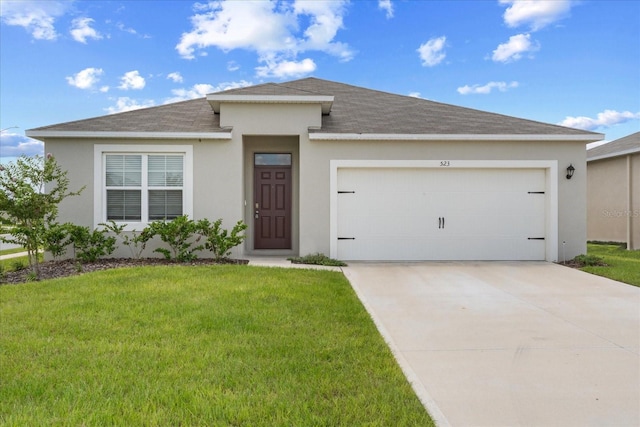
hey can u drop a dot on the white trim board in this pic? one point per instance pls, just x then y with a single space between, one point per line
132 135
319 136
551 167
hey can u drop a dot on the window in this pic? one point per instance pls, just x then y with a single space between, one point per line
140 184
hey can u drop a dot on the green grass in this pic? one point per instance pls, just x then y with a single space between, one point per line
11 264
317 259
214 345
12 251
622 265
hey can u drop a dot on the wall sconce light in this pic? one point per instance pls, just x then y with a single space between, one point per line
570 171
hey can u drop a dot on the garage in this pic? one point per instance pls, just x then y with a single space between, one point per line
441 213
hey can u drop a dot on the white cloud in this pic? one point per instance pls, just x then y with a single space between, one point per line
325 18
16 145
233 66
514 48
123 28
37 17
132 80
431 52
202 89
605 119
414 94
487 88
535 13
175 77
127 104
387 6
271 29
81 30
85 79
284 69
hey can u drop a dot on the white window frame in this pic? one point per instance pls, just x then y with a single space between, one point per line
100 152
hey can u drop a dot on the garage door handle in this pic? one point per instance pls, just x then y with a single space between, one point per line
440 222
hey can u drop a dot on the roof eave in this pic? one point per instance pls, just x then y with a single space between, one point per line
39 134
612 155
586 138
325 101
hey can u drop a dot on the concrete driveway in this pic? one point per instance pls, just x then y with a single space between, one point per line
510 343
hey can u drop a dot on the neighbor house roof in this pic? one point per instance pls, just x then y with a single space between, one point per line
348 110
620 147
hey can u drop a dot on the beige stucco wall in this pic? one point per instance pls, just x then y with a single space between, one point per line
223 180
609 184
217 181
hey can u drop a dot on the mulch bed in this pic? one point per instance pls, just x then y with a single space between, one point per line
65 268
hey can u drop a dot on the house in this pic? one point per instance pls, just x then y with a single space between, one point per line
613 197
318 166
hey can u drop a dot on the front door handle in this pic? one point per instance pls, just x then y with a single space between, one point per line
257 214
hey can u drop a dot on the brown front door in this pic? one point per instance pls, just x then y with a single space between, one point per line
272 206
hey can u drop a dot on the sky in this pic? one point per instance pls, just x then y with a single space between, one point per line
573 63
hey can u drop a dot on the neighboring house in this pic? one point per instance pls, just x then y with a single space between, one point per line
317 166
613 198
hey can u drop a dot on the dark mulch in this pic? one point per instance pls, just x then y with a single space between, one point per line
65 268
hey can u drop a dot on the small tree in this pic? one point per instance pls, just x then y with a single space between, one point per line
31 188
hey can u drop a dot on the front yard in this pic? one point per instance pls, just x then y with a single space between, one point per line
197 345
622 265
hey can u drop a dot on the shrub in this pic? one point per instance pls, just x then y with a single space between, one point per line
589 261
218 240
56 239
17 265
89 246
317 259
136 241
176 233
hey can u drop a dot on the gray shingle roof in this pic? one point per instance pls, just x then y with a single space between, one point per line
187 116
619 147
355 110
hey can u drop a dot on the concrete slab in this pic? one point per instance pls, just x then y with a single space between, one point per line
510 343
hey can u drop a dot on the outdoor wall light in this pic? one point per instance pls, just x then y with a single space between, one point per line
570 171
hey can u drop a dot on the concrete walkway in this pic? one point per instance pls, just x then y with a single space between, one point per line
16 255
510 343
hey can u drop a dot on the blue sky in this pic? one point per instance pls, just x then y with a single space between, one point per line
575 63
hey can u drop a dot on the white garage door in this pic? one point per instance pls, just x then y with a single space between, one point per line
441 214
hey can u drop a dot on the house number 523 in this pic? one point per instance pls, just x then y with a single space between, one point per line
445 163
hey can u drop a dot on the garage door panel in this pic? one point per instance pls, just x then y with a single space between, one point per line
397 214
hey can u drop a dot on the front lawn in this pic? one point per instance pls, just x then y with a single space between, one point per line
205 345
622 265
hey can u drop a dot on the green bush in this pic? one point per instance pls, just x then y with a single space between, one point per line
89 246
56 239
218 240
17 265
136 241
178 234
317 259
589 261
